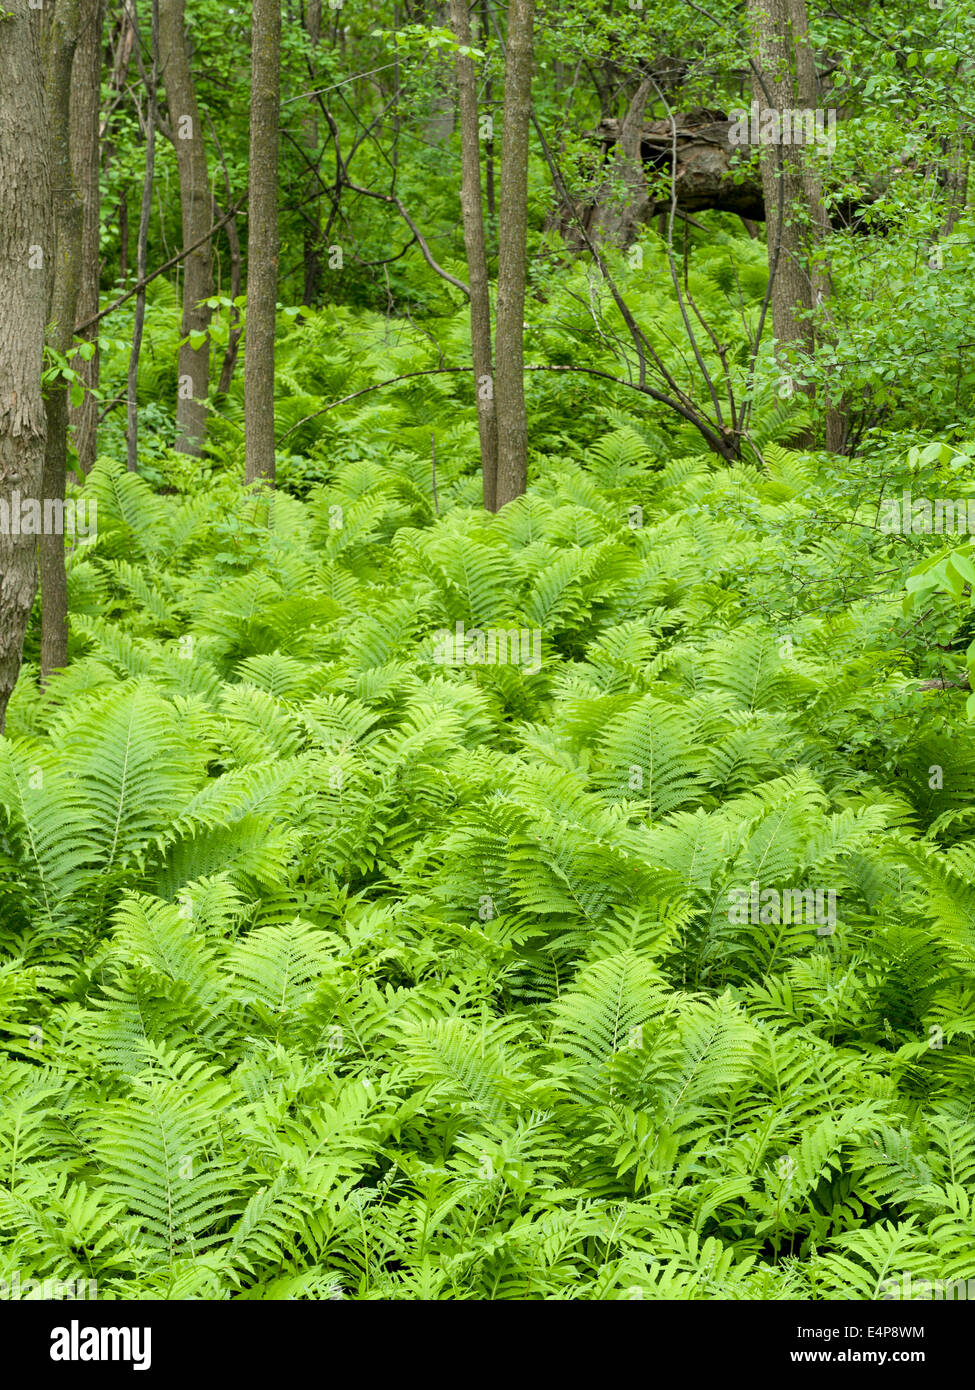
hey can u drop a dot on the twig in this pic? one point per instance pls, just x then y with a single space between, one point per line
160 270
644 390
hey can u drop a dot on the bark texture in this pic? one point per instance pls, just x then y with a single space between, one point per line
512 256
628 204
784 181
486 25
60 41
25 257
195 208
86 73
311 213
785 79
233 339
262 242
142 250
477 271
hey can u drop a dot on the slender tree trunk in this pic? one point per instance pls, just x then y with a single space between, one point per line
123 237
489 142
139 319
616 221
124 44
195 206
820 280
440 125
513 256
313 195
86 76
477 272
783 181
25 255
123 38
60 42
235 327
262 241
795 216
234 335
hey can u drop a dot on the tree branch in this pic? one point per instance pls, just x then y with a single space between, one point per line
161 270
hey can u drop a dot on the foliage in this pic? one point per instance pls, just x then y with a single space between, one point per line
330 967
330 970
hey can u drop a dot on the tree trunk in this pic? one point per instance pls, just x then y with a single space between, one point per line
262 242
142 249
513 256
123 237
25 255
123 38
820 280
439 126
195 206
618 221
782 60
488 100
235 330
313 194
477 272
86 74
60 42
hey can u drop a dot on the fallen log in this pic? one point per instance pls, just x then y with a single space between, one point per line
705 177
711 175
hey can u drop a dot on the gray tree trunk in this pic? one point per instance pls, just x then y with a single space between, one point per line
313 196
233 340
783 177
142 251
486 20
86 74
509 375
195 206
60 41
628 200
439 126
262 242
26 253
477 272
820 281
795 219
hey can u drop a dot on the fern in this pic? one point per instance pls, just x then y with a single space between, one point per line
327 969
